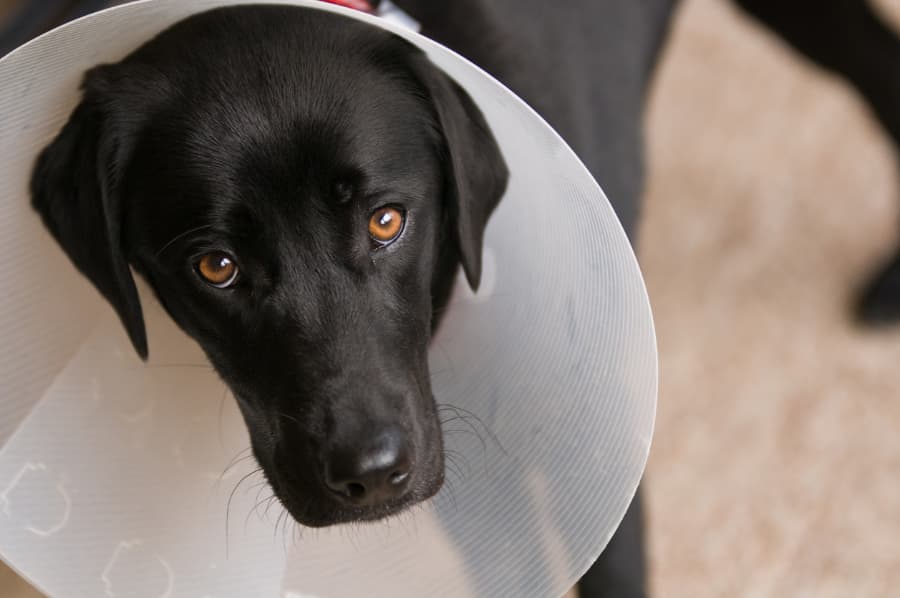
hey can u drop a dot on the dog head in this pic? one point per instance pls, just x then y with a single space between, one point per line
299 190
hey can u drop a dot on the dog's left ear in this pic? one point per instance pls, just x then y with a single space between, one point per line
476 173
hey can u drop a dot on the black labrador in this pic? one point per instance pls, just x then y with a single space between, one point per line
300 192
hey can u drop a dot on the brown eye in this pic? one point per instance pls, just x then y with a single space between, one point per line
218 269
385 224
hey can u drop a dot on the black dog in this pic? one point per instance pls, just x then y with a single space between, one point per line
276 170
300 207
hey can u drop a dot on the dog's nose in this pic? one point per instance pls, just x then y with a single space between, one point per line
370 472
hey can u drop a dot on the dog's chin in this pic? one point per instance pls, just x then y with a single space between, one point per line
316 512
338 515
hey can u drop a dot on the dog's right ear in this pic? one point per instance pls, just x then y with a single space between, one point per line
74 189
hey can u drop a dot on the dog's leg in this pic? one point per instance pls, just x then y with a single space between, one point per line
848 38
621 571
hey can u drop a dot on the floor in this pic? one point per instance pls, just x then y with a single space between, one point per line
776 461
775 469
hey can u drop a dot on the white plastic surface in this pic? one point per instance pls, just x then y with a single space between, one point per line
117 483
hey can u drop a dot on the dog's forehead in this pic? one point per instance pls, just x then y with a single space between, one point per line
323 102
379 143
323 113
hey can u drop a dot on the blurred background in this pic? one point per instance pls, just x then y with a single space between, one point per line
775 469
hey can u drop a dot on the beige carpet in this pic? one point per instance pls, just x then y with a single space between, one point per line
775 469
776 465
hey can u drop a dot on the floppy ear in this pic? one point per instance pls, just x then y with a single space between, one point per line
73 188
476 173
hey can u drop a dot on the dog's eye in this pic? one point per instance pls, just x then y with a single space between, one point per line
386 224
218 269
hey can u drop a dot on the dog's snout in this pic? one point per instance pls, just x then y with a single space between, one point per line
370 471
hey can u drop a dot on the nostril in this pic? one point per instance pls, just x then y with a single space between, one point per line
355 490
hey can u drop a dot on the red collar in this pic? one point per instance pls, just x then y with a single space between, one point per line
362 5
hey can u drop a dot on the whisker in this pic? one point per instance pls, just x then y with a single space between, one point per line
288 521
277 523
472 430
449 432
255 509
469 415
234 462
452 457
228 507
272 500
259 491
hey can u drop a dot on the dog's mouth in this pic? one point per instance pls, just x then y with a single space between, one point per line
315 514
312 503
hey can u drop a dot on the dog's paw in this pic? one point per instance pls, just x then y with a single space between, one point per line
879 302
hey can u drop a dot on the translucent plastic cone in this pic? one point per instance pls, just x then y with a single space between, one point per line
119 478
